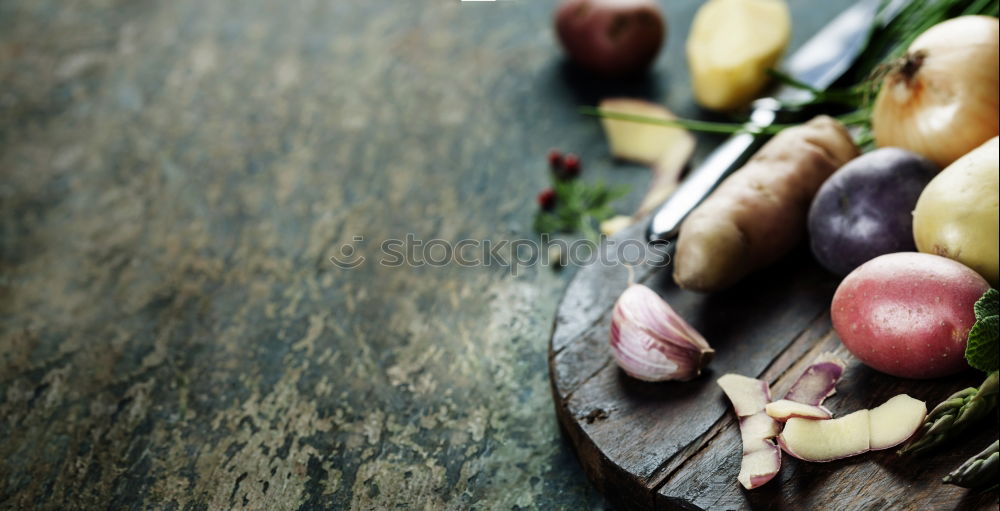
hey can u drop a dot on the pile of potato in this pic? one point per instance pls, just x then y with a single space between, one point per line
899 311
917 245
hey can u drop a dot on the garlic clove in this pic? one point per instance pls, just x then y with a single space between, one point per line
651 342
637 355
643 306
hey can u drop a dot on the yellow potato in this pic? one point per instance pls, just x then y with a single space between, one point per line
731 46
958 213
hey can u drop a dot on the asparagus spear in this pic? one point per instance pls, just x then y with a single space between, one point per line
948 419
978 470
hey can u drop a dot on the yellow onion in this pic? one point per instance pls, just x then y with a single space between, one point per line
651 342
941 99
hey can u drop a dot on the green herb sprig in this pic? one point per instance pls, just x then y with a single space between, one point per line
572 205
579 207
691 124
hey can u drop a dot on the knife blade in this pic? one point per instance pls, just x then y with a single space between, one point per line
818 63
828 54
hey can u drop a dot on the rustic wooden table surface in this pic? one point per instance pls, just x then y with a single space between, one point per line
175 177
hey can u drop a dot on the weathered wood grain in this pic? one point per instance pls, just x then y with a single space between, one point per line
175 174
677 445
879 480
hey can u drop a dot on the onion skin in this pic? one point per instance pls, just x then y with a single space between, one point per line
942 100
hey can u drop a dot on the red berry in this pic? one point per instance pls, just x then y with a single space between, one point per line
555 159
547 199
571 165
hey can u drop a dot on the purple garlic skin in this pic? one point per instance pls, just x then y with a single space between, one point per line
651 342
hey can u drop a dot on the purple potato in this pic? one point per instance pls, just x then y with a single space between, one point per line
865 209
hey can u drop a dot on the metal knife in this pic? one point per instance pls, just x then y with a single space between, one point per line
818 63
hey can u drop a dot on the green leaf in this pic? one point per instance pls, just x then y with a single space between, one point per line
983 350
988 304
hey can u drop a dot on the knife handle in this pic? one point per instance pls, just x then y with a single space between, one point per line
700 182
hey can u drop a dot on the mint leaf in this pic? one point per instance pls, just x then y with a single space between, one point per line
988 304
983 350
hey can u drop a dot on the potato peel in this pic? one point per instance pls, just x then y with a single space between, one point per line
885 426
818 381
784 409
761 458
665 149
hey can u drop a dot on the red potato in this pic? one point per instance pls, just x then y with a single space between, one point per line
908 314
611 37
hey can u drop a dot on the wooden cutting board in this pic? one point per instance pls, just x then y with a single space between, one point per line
676 445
